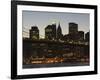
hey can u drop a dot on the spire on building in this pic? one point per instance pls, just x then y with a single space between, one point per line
59 32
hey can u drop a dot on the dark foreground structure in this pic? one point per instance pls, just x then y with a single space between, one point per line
43 53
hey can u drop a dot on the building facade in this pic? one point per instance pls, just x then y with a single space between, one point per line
80 36
34 32
73 28
73 31
50 32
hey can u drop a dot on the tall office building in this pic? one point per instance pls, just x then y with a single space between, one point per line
50 32
73 31
73 28
34 32
59 32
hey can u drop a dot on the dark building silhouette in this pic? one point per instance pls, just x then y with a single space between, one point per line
77 36
50 32
34 32
66 37
59 32
73 28
80 36
73 32
87 37
72 37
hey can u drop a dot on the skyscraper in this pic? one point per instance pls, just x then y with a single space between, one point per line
34 32
73 31
59 32
73 28
50 32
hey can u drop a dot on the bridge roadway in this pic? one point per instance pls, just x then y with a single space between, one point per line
54 42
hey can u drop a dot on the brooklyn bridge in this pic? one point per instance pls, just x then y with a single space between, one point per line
52 52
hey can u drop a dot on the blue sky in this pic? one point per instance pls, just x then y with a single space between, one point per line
42 19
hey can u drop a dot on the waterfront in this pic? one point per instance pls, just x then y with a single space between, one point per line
54 65
55 62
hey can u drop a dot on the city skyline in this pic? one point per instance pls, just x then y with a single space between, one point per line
42 19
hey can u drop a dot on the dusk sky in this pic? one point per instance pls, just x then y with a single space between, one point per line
42 19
